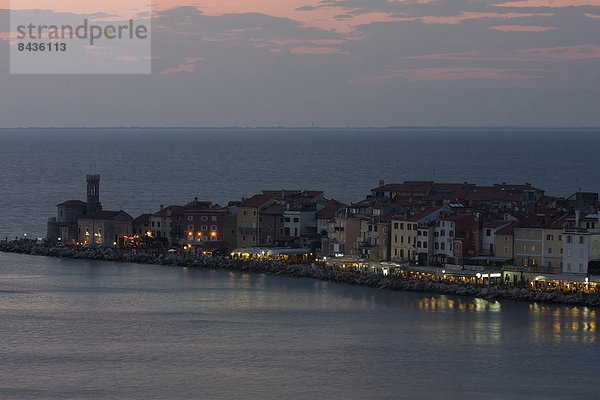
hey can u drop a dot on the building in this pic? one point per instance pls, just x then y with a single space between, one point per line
109 228
63 227
405 234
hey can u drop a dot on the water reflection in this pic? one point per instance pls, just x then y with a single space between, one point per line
565 324
443 303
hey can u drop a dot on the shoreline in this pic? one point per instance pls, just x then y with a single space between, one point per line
349 277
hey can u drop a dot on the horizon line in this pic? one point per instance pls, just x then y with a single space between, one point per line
311 127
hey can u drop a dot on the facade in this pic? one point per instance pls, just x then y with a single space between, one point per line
405 233
104 228
63 227
488 237
166 225
248 219
204 228
504 240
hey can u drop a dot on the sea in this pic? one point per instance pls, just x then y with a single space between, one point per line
80 329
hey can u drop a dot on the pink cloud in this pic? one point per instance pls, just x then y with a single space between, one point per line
470 15
550 3
557 53
314 50
5 36
189 65
590 15
445 74
522 28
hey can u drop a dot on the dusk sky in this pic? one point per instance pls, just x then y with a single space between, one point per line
334 63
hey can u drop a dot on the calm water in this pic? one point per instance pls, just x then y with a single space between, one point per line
73 329
142 169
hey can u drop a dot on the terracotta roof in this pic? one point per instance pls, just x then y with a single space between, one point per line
103 215
170 210
144 218
72 203
273 209
256 201
495 224
507 230
406 187
423 214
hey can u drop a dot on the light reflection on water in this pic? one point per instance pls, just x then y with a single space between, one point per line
92 330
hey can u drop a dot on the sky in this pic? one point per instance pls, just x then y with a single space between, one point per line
331 63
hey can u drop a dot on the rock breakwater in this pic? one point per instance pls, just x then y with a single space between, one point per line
325 273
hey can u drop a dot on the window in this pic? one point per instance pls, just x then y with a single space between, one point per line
213 218
213 227
395 225
457 247
524 247
204 227
296 219
395 238
424 233
561 250
505 249
409 227
451 234
254 238
488 232
506 238
254 213
549 250
153 224
581 240
550 264
158 224
243 212
415 227
533 248
401 239
190 227
419 233
569 239
401 225
190 217
549 237
443 246
204 218
370 228
243 238
568 267
287 219
443 232
418 244
424 245
375 228
436 245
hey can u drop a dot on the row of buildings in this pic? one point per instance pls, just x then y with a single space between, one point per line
416 222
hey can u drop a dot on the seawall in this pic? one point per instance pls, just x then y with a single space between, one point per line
184 259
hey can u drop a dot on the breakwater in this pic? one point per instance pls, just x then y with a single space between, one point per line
326 273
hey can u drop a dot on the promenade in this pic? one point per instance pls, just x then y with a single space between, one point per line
377 278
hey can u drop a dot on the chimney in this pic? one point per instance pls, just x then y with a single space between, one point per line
577 215
162 207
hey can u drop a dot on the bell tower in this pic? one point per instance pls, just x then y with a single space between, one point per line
93 193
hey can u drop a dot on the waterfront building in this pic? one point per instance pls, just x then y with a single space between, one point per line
405 232
581 243
504 241
538 242
105 228
165 225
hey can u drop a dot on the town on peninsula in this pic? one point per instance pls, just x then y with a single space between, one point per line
504 240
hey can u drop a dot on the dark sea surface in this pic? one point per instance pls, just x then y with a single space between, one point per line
143 168
76 329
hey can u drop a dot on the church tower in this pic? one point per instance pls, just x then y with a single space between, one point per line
93 193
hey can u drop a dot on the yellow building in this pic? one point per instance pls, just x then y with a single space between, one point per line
248 219
540 247
503 242
404 232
